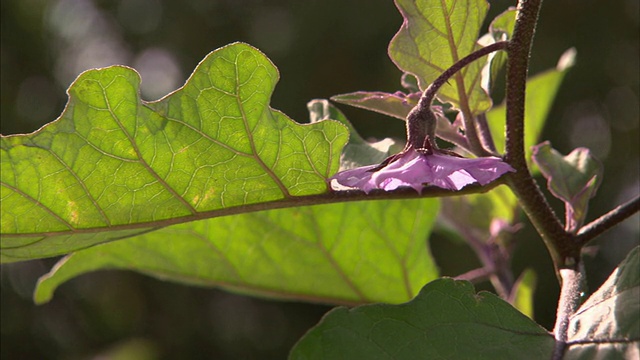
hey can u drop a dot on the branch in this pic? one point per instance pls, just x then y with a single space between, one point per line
521 182
607 221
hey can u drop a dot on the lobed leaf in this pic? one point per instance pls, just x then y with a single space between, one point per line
349 253
447 320
114 166
607 325
434 35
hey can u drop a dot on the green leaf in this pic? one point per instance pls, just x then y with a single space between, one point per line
434 35
524 289
114 166
607 325
395 105
574 179
357 152
447 320
349 253
541 91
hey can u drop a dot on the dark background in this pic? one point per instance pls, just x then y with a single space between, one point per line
322 48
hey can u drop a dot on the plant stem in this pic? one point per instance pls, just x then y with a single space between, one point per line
531 199
607 221
570 298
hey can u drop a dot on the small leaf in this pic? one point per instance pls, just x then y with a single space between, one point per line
395 105
574 179
114 166
357 152
500 29
447 320
346 253
434 35
607 325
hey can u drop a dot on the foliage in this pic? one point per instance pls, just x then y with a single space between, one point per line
210 186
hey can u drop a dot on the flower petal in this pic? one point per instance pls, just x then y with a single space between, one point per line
415 170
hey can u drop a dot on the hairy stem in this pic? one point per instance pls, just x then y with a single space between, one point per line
607 221
571 290
531 199
421 122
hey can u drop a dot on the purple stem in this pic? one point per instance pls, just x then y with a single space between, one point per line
534 204
607 221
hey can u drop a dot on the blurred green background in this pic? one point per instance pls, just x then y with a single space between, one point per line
322 48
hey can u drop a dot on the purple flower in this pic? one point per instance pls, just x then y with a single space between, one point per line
415 169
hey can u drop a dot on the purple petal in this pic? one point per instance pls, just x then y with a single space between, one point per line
415 170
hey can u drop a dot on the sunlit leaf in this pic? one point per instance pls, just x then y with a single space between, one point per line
447 320
607 325
114 166
349 253
574 179
434 35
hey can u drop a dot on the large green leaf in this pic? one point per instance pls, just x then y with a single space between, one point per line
350 253
114 166
607 325
434 35
447 320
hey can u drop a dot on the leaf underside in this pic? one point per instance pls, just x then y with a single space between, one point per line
348 253
113 166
